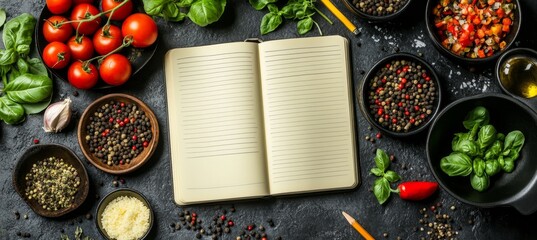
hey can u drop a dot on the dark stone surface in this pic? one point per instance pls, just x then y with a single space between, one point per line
316 216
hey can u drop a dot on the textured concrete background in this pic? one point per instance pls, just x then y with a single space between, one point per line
315 216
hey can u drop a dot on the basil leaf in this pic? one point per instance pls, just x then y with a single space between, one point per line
270 22
486 136
205 12
33 108
184 3
480 183
273 9
382 160
288 11
478 115
18 33
154 7
22 65
456 164
29 88
171 12
492 167
479 167
303 26
381 189
35 66
10 111
494 151
260 4
392 176
467 147
500 136
377 172
8 57
501 161
514 141
2 17
509 165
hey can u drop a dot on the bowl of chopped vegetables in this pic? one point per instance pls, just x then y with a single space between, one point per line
481 150
473 31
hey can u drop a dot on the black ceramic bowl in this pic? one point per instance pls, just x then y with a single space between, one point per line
374 18
138 57
39 152
431 29
364 92
518 188
115 194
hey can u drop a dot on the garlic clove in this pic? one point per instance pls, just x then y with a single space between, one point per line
57 116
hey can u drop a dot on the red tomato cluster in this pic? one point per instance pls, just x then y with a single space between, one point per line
79 33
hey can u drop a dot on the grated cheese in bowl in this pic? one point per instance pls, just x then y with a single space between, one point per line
125 218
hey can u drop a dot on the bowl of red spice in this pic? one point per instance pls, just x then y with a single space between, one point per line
400 95
473 31
118 133
377 10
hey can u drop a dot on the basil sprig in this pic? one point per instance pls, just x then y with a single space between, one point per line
381 187
201 12
26 85
482 152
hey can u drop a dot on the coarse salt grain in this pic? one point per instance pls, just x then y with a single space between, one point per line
125 218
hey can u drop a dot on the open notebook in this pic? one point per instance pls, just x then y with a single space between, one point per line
250 119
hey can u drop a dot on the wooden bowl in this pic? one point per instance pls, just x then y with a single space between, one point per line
115 194
136 162
39 152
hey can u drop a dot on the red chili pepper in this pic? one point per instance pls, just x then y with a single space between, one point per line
416 190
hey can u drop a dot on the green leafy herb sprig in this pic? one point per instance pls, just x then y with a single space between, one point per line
482 152
2 17
26 85
381 187
301 10
78 235
201 12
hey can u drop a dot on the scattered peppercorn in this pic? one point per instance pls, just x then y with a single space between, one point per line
75 93
88 216
379 7
401 96
118 132
17 215
438 225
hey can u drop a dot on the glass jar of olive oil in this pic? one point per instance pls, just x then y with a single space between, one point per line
518 75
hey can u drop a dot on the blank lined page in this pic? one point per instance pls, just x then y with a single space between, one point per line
216 127
308 112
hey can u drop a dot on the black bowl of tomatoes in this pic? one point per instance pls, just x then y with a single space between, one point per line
95 44
473 31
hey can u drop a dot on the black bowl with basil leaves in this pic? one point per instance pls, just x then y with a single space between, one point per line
517 188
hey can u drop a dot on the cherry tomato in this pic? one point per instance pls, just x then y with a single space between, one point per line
120 13
81 48
56 55
107 39
82 76
142 28
55 30
85 11
115 69
76 2
58 6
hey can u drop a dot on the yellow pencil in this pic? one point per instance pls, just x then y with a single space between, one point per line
340 16
358 227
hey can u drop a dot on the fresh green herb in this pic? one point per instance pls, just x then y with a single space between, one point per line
78 235
2 17
26 85
299 10
201 12
485 156
381 187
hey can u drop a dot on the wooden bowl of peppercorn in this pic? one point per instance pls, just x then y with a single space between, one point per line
377 10
31 178
400 95
118 133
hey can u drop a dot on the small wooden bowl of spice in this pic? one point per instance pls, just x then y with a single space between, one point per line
124 214
118 133
51 180
400 95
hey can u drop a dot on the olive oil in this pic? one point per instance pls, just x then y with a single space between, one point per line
518 75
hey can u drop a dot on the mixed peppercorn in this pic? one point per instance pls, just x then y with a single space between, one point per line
401 96
474 28
379 7
118 132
